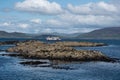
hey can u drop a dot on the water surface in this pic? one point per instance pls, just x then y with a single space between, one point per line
10 69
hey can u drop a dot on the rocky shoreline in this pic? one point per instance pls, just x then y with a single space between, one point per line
58 51
9 42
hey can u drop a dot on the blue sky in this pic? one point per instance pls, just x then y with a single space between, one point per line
63 16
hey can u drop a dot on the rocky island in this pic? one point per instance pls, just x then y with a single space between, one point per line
58 51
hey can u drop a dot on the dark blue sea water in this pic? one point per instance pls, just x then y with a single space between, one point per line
10 69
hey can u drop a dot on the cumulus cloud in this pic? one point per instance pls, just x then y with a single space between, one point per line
71 18
55 23
99 8
6 24
98 20
37 21
39 6
87 17
107 7
23 25
72 21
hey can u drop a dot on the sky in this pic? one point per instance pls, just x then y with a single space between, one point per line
61 16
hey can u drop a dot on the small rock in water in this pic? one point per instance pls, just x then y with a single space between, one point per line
33 62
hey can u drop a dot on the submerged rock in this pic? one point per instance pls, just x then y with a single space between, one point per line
46 64
32 62
57 51
12 55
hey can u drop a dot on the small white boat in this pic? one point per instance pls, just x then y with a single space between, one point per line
53 38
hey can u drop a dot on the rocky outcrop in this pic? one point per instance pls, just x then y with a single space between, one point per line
9 42
79 44
57 51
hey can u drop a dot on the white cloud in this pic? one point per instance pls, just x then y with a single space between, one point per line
107 7
71 19
87 17
79 9
54 23
23 25
6 24
39 6
73 23
86 20
37 21
99 8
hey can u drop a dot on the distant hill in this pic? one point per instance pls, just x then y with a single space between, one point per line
105 33
4 34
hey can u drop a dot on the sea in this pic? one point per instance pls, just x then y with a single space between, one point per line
10 69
